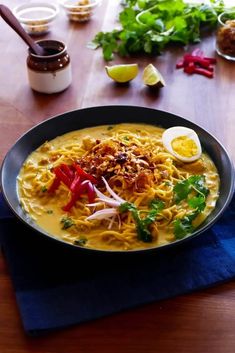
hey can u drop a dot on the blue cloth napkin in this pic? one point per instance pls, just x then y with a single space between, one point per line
57 287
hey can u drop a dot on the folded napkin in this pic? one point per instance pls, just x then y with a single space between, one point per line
56 286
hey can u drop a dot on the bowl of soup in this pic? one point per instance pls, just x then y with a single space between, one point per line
118 179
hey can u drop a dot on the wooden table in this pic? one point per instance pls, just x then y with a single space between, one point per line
197 323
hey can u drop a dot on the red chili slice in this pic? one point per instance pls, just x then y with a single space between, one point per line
55 184
85 175
76 195
197 63
203 72
66 169
62 176
75 183
71 202
77 180
197 60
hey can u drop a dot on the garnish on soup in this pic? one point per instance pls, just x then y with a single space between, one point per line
120 187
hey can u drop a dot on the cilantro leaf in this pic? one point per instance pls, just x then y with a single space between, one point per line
182 227
67 222
181 190
196 184
43 188
157 204
81 241
149 25
126 206
197 202
142 224
194 191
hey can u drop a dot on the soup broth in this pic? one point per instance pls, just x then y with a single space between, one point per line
65 185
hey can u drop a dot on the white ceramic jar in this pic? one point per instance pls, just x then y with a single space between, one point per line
50 73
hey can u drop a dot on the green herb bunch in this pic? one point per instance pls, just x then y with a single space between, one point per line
149 25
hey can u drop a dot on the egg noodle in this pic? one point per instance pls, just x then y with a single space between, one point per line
137 167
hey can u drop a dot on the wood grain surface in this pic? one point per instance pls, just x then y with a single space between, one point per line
198 323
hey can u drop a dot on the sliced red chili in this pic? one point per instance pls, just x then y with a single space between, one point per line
62 176
197 60
197 63
180 64
67 170
76 195
77 180
190 68
55 184
85 175
203 72
75 183
212 60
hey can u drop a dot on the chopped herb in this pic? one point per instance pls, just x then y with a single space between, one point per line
81 241
109 128
197 202
183 227
126 206
142 224
157 205
43 188
195 183
67 222
194 191
126 138
167 183
149 26
49 211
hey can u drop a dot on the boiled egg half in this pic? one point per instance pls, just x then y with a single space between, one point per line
183 143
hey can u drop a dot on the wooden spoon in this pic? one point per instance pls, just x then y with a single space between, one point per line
12 21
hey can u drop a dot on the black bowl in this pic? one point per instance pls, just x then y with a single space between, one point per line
88 117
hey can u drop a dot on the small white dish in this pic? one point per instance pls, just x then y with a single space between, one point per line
36 17
79 10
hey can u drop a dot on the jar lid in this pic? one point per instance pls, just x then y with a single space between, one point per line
32 13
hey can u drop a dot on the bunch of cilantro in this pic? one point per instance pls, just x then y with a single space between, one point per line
149 25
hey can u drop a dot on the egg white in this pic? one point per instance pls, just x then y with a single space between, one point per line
177 131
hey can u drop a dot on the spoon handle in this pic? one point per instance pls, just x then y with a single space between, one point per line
12 21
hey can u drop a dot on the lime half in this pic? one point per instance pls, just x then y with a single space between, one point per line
122 73
152 77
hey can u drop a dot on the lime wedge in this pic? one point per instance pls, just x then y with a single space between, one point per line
122 73
152 77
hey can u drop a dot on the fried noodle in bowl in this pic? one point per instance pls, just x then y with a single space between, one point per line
117 187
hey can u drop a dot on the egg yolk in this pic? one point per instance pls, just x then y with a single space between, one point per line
184 146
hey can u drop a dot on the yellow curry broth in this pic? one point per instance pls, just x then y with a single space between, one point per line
36 176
